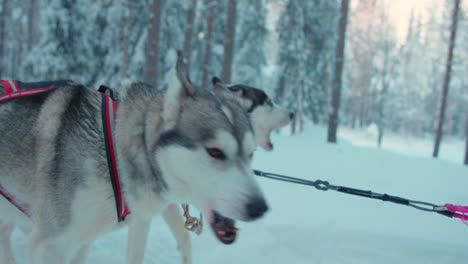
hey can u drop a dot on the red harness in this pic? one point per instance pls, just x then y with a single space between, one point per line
109 115
13 90
110 107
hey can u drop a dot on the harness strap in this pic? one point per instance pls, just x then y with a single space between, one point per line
7 86
23 208
13 90
109 111
109 116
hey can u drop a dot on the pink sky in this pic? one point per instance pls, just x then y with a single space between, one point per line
400 11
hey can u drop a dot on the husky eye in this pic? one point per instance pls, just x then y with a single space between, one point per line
216 153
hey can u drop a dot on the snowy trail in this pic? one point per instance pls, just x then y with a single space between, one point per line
310 226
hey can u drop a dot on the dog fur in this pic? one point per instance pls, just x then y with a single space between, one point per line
264 115
53 158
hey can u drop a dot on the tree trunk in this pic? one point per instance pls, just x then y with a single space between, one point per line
151 71
381 117
383 95
33 23
365 83
466 146
229 40
18 49
336 94
300 110
125 39
4 16
189 32
448 71
209 33
293 125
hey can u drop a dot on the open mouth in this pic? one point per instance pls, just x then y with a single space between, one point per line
269 143
224 228
264 139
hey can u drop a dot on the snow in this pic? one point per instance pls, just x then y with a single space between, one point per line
452 149
309 226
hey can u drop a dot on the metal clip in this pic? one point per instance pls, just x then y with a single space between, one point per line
192 224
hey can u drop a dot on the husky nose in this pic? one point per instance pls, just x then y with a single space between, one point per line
291 115
256 208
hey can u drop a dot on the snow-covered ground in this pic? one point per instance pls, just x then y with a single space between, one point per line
452 149
309 226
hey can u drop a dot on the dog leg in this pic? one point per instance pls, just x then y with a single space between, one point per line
6 254
45 250
137 238
174 220
82 255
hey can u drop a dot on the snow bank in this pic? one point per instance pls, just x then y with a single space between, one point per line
310 226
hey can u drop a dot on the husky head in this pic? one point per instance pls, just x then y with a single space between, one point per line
264 114
205 150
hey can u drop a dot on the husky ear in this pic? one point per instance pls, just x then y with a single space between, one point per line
218 85
179 86
183 75
215 80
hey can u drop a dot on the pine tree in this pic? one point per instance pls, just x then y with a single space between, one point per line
189 31
172 34
151 70
386 71
291 59
4 18
466 143
64 53
339 61
218 38
208 43
453 34
229 40
75 43
33 22
126 10
320 34
138 14
250 43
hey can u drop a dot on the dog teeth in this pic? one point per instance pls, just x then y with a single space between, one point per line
221 232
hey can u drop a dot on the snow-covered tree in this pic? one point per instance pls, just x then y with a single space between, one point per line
338 72
172 33
250 43
75 43
207 42
292 59
320 31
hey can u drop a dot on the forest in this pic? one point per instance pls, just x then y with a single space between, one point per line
334 63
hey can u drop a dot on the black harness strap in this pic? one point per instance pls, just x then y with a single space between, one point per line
109 101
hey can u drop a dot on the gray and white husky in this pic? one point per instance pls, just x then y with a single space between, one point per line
265 116
180 145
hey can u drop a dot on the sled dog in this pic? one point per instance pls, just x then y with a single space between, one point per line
265 116
55 163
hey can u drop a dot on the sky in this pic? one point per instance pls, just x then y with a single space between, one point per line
400 12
